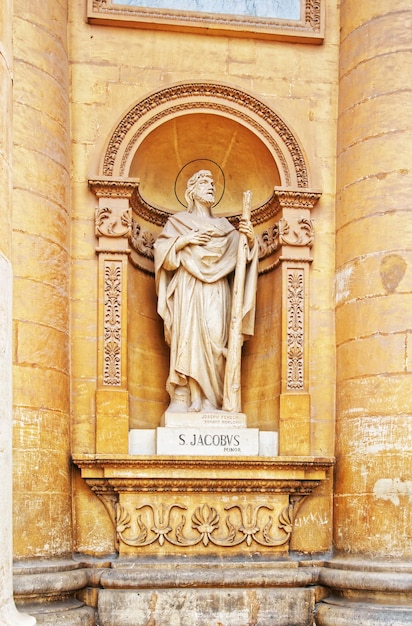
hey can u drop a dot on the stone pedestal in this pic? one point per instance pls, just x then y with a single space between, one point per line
215 419
142 442
170 506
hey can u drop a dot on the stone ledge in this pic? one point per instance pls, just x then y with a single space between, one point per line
367 575
173 573
362 591
107 465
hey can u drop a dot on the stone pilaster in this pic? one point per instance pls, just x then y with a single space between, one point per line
295 235
113 221
374 298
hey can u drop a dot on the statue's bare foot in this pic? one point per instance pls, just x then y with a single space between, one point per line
195 406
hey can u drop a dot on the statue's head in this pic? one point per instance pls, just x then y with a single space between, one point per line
200 186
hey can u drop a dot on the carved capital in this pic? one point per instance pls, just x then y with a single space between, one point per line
300 199
113 216
295 231
108 187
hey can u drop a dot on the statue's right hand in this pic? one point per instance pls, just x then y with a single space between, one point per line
195 237
200 237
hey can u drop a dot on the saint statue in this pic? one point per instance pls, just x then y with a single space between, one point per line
195 259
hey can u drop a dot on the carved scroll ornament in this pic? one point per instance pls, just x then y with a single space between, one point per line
109 223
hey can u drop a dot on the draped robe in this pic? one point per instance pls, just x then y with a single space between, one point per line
194 299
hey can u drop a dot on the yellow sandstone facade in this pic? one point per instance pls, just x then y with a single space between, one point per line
102 106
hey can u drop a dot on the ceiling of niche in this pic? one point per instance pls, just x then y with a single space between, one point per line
196 141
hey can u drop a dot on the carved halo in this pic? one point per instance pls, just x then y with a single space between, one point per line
191 168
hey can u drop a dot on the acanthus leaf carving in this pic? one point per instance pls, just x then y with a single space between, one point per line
295 329
112 323
301 234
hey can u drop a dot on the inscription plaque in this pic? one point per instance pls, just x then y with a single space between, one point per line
208 441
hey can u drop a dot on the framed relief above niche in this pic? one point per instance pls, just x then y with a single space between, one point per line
282 20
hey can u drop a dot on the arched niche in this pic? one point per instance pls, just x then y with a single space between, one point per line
223 101
138 174
167 157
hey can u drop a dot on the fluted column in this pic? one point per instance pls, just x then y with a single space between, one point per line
373 492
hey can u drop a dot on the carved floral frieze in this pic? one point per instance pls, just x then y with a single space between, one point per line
298 232
206 524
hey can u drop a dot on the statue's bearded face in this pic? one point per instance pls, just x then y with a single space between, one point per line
205 190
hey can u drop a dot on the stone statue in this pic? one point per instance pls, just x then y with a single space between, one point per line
195 257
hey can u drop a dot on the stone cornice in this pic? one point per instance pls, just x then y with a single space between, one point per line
308 29
187 474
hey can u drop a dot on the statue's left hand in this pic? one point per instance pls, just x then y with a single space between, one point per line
245 227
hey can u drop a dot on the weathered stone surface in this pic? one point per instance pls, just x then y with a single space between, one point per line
204 607
369 592
199 573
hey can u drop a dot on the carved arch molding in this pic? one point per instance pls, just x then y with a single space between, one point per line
222 99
